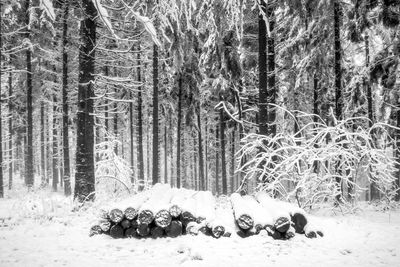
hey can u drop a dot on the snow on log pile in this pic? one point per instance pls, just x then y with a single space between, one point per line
165 211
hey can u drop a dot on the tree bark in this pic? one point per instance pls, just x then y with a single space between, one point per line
178 145
132 134
165 150
271 70
223 153
155 116
42 144
1 132
200 147
262 71
233 140
29 171
84 177
66 160
55 145
140 126
338 78
217 160
10 130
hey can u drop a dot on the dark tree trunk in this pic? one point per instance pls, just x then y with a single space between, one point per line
155 116
29 172
171 140
10 130
66 161
132 134
200 146
262 68
140 126
206 155
374 193
397 182
223 152
338 77
178 145
55 145
233 160
115 120
271 70
42 144
106 121
217 160
165 150
84 177
1 135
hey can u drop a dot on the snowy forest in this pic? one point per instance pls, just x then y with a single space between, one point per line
103 100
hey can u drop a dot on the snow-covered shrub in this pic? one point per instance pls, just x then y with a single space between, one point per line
315 164
113 173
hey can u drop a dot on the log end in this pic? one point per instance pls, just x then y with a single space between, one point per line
174 229
95 230
282 224
130 213
157 232
143 230
116 215
218 231
117 231
299 222
145 217
163 218
245 222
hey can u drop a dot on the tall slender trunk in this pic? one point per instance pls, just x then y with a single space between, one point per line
29 171
1 132
165 150
171 142
55 145
66 160
132 134
11 132
338 79
200 147
195 177
206 155
115 120
374 193
217 160
178 145
262 71
155 116
223 152
233 140
140 125
42 144
84 177
397 154
271 69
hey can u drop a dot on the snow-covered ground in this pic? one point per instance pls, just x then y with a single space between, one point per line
40 230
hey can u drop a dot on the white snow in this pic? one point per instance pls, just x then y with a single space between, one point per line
40 230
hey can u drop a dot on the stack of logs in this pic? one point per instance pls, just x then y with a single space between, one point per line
164 211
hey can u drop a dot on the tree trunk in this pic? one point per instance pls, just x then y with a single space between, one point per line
1 135
338 79
10 130
271 70
178 145
115 120
374 193
66 165
140 126
155 116
206 155
200 146
217 160
233 160
223 152
42 144
262 71
171 140
84 177
397 152
29 172
55 146
165 150
132 134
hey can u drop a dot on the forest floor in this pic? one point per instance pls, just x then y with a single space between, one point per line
39 229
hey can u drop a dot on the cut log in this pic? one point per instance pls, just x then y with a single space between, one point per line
143 229
125 224
130 213
187 217
95 230
158 201
145 216
178 199
188 211
105 225
103 214
192 228
174 229
131 232
298 216
117 231
260 215
157 232
281 217
116 215
241 212
163 218
218 231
